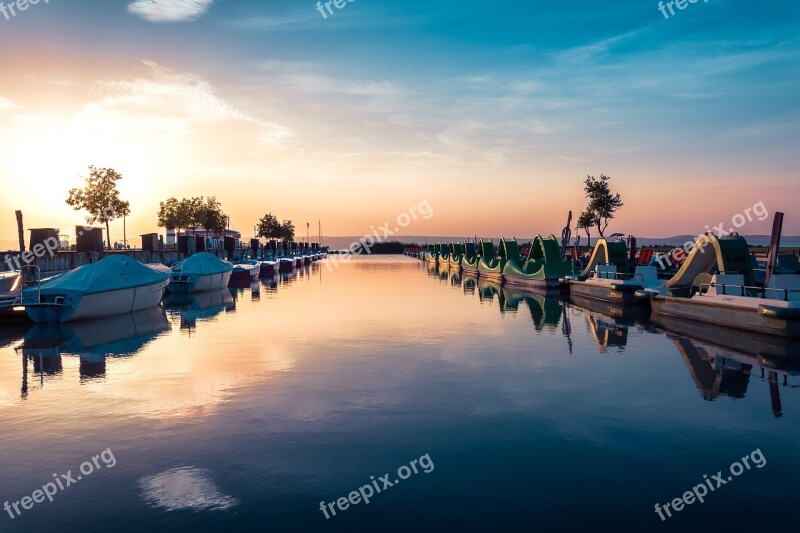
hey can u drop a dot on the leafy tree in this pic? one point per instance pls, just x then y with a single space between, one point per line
586 221
100 198
269 227
602 203
287 230
168 214
214 219
196 212
175 214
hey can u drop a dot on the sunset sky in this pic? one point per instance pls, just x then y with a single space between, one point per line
493 112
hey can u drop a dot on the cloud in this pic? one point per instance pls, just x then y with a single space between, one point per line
6 104
169 10
175 101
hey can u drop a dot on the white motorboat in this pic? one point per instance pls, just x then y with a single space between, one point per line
199 273
115 285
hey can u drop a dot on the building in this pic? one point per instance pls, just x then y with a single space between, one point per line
213 240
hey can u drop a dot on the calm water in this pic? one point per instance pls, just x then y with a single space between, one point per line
243 412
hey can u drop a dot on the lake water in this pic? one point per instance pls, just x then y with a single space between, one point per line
503 410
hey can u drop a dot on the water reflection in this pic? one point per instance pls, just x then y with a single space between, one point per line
721 362
185 489
200 306
303 393
91 340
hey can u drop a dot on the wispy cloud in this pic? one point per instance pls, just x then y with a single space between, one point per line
7 105
174 101
309 78
169 10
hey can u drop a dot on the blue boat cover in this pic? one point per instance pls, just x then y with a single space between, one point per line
115 272
203 264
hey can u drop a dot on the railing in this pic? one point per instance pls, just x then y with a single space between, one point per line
617 275
748 291
25 283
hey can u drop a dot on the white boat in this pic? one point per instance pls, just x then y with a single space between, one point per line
716 286
9 282
115 285
199 273
602 278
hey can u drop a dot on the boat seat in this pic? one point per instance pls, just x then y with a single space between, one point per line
702 279
788 263
606 271
648 275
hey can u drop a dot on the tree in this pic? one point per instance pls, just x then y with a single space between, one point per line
168 214
195 212
214 219
586 222
602 204
287 230
100 198
269 227
175 214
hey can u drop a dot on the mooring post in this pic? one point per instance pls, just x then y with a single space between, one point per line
21 231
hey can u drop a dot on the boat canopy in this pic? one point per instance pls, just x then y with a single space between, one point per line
113 273
469 249
710 254
487 249
203 264
455 248
608 253
509 250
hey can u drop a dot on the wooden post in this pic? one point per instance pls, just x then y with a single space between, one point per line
21 231
774 247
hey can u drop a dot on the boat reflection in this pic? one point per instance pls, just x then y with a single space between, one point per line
469 283
610 324
12 332
200 306
721 363
91 340
487 290
455 277
546 310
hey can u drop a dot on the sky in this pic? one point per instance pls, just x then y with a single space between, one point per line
491 112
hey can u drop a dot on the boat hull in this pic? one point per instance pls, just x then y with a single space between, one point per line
742 318
286 265
268 268
97 305
185 284
490 275
530 283
605 293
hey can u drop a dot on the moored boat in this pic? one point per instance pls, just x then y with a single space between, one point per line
718 286
444 255
245 272
456 254
201 272
268 268
492 262
470 259
432 255
607 276
544 268
285 264
9 282
115 285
